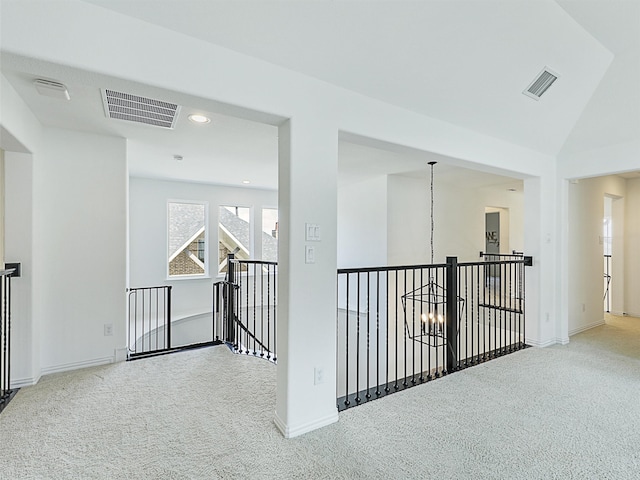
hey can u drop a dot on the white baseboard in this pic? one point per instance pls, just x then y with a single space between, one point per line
625 314
548 343
584 328
77 365
120 354
24 382
289 432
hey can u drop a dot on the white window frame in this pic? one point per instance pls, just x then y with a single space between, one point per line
252 224
266 207
206 274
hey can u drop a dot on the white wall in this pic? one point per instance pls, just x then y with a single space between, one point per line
19 249
362 223
2 209
632 249
79 243
459 217
148 235
20 135
585 255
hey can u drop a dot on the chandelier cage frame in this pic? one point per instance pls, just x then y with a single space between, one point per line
425 316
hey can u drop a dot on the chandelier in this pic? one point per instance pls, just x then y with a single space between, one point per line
425 307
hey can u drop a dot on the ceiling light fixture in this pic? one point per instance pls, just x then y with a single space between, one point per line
53 89
178 158
197 118
427 304
246 182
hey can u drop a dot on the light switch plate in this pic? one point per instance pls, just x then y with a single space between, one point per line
309 254
312 232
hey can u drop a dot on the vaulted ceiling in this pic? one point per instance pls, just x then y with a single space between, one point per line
462 61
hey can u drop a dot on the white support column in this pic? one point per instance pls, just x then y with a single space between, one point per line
541 242
563 260
306 348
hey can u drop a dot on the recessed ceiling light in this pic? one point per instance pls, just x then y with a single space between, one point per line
196 118
178 158
246 181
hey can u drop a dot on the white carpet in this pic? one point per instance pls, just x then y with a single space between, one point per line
563 412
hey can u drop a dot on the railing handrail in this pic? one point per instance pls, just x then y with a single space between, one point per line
512 254
7 272
131 289
430 266
495 262
390 268
251 261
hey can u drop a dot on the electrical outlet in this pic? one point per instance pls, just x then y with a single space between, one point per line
318 376
108 329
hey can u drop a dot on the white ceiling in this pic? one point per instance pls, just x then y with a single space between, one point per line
465 62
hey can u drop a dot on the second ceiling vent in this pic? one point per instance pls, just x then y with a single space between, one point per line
133 108
541 83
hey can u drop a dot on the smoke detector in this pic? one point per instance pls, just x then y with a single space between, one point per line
541 83
134 108
50 88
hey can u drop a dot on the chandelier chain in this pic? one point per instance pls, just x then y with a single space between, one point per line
432 222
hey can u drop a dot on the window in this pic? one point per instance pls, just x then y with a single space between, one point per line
270 234
234 234
187 254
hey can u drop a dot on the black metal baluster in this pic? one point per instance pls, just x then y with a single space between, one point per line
378 333
152 292
466 316
269 307
275 311
358 399
346 402
404 358
262 307
386 386
428 326
484 313
523 305
255 286
368 395
422 325
168 314
413 327
512 317
436 338
397 339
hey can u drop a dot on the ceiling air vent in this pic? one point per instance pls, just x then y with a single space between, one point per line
124 106
541 83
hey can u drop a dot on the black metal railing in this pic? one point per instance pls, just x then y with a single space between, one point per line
6 392
153 330
607 283
245 307
402 326
149 326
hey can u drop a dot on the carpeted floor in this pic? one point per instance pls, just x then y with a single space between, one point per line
563 412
